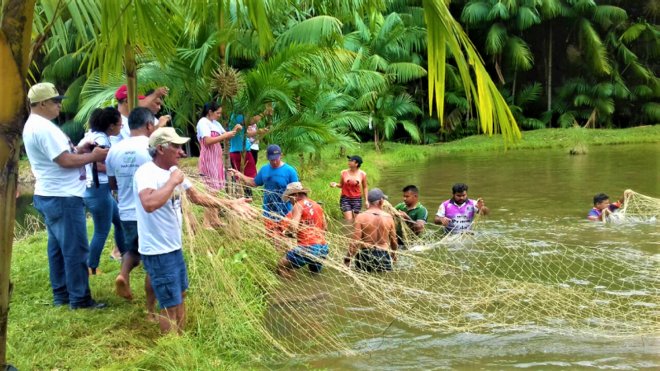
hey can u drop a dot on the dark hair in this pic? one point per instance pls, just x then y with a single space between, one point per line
600 197
102 118
139 118
411 188
210 106
459 188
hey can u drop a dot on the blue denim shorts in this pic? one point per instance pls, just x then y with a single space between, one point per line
130 237
308 255
169 277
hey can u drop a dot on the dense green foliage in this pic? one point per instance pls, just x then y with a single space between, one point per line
342 72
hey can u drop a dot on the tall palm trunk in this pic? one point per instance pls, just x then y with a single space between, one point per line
548 83
130 67
15 32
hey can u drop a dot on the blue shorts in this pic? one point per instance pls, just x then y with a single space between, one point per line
373 260
169 277
308 255
350 204
130 237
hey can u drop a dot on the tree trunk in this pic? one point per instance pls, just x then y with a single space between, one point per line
549 79
130 67
15 33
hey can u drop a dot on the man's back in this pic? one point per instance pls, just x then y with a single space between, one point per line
373 228
122 162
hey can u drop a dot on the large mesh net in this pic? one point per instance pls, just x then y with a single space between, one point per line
472 282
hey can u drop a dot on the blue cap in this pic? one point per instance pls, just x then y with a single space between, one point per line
274 152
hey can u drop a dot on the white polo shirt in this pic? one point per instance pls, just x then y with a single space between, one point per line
44 142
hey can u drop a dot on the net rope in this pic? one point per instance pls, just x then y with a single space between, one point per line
480 282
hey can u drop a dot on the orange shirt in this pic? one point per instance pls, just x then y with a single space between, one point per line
351 184
311 228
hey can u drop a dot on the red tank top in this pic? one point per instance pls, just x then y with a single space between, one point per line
351 185
310 229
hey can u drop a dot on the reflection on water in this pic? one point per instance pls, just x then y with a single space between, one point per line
541 197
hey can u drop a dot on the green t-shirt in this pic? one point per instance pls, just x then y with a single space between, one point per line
419 212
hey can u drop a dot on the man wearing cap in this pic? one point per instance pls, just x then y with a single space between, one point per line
159 186
307 222
274 176
374 239
353 184
123 160
59 170
151 102
457 213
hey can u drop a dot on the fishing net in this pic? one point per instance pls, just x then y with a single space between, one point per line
636 207
479 282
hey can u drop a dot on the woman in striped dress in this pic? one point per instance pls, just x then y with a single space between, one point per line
210 135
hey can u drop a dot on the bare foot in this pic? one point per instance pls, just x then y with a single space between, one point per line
115 254
122 288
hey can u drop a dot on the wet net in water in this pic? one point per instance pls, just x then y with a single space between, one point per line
477 282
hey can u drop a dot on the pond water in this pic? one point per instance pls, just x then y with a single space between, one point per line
541 195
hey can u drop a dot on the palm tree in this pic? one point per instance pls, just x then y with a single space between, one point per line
15 31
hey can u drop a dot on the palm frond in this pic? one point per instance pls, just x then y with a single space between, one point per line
527 17
496 39
406 72
321 30
608 15
519 53
475 12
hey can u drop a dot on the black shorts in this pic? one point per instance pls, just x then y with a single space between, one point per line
353 204
373 260
130 237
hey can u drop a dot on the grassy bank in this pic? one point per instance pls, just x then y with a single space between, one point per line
226 300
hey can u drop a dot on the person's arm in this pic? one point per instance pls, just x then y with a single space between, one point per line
74 160
154 199
213 140
112 181
242 177
355 243
420 223
296 214
481 207
440 216
340 183
394 242
239 206
365 189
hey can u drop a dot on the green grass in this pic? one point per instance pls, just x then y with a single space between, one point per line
226 299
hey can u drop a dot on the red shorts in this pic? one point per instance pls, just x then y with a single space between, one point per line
247 166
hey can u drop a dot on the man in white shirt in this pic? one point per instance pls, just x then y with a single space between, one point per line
59 170
123 161
159 187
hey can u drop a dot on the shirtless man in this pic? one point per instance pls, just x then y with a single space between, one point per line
374 240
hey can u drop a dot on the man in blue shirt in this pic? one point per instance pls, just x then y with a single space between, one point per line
274 177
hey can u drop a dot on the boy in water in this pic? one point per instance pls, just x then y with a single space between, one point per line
601 208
